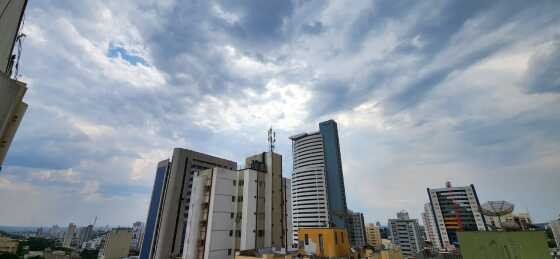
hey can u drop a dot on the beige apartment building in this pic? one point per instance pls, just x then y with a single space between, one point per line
8 245
117 244
373 236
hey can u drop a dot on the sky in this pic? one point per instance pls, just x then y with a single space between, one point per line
424 92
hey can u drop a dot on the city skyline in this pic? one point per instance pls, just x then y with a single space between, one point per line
420 98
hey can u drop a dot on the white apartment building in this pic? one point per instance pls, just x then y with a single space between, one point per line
309 186
405 233
430 226
232 211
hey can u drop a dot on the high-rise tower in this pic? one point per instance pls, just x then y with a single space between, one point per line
318 193
455 209
173 208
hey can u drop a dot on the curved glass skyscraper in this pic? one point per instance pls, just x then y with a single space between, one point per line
318 194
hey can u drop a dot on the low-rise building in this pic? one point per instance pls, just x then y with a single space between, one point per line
387 254
117 244
324 242
373 236
8 245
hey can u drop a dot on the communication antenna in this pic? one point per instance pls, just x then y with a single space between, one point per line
271 139
496 209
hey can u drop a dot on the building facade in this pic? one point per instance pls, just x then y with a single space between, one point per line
357 229
154 209
318 192
405 233
12 106
275 196
8 245
373 236
173 210
555 228
69 235
289 226
430 227
231 212
324 242
455 209
137 236
117 244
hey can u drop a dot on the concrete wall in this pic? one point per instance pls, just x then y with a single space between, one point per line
170 234
117 243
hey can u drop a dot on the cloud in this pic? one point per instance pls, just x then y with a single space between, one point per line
424 92
543 74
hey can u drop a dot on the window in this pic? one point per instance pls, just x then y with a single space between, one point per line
231 233
240 198
231 215
229 252
306 237
234 182
261 233
241 182
232 198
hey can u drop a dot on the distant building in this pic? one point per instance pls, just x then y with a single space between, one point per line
521 221
387 254
58 254
93 244
55 232
289 217
357 229
324 242
373 236
137 236
455 209
8 245
86 234
555 227
169 207
117 244
69 235
318 192
503 245
39 232
405 233
430 227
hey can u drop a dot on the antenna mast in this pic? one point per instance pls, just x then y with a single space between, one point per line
271 139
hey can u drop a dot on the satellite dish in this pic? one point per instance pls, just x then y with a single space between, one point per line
496 208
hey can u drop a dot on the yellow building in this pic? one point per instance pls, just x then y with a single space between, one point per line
373 236
326 242
8 245
387 254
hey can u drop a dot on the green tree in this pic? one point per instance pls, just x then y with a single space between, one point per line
89 254
8 256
